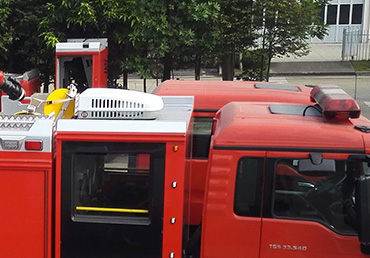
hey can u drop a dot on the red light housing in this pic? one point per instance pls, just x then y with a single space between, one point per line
335 102
1 77
33 145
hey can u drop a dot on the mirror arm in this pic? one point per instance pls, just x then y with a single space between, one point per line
316 158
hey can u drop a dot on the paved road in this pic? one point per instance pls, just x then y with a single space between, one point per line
356 86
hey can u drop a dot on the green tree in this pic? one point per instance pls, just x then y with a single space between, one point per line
172 30
5 31
88 19
286 26
19 41
237 32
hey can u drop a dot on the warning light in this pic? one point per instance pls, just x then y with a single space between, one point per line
335 102
33 145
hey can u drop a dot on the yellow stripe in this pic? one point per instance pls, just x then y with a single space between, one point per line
80 208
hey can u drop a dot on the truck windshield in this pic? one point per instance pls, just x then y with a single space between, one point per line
325 198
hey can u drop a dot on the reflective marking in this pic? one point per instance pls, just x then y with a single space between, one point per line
80 208
367 103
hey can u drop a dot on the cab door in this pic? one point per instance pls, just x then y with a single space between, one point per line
306 214
232 211
111 199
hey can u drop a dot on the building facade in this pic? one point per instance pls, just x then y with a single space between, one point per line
344 14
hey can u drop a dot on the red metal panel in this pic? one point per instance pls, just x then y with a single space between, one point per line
100 69
225 234
26 196
197 185
173 199
31 86
252 125
294 238
174 172
215 94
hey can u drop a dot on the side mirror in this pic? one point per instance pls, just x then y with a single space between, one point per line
363 212
307 167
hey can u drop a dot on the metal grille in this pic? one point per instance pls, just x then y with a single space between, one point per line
117 114
112 103
19 122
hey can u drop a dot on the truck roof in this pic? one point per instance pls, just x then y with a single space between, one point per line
212 95
174 118
268 126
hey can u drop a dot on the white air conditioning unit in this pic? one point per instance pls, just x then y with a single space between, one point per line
103 103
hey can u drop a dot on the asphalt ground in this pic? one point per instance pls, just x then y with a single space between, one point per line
329 68
357 86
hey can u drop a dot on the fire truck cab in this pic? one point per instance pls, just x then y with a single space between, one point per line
285 180
209 97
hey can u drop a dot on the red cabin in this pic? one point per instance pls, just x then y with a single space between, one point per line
209 97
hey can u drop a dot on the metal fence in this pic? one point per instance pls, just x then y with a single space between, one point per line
355 45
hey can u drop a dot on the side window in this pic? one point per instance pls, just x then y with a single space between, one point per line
247 199
111 185
331 17
322 197
357 14
117 186
202 137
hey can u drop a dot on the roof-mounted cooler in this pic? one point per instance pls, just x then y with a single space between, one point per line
97 103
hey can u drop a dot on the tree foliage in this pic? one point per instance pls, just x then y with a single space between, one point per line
286 26
173 30
142 33
237 32
20 44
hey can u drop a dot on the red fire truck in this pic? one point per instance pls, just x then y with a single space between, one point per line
283 176
209 97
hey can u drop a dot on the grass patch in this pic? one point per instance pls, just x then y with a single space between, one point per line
361 66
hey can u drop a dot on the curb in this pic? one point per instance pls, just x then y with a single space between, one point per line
314 74
367 73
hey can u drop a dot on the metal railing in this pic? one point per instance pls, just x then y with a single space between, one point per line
355 45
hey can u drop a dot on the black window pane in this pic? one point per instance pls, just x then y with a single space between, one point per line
344 14
202 137
357 14
332 14
112 184
248 187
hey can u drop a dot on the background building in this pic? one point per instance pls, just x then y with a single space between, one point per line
344 14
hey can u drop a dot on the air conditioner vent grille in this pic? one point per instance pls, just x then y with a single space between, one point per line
100 103
111 103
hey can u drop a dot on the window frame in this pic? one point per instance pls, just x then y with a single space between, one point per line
274 162
156 174
237 205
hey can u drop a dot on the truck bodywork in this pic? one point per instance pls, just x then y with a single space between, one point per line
209 97
267 207
201 169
